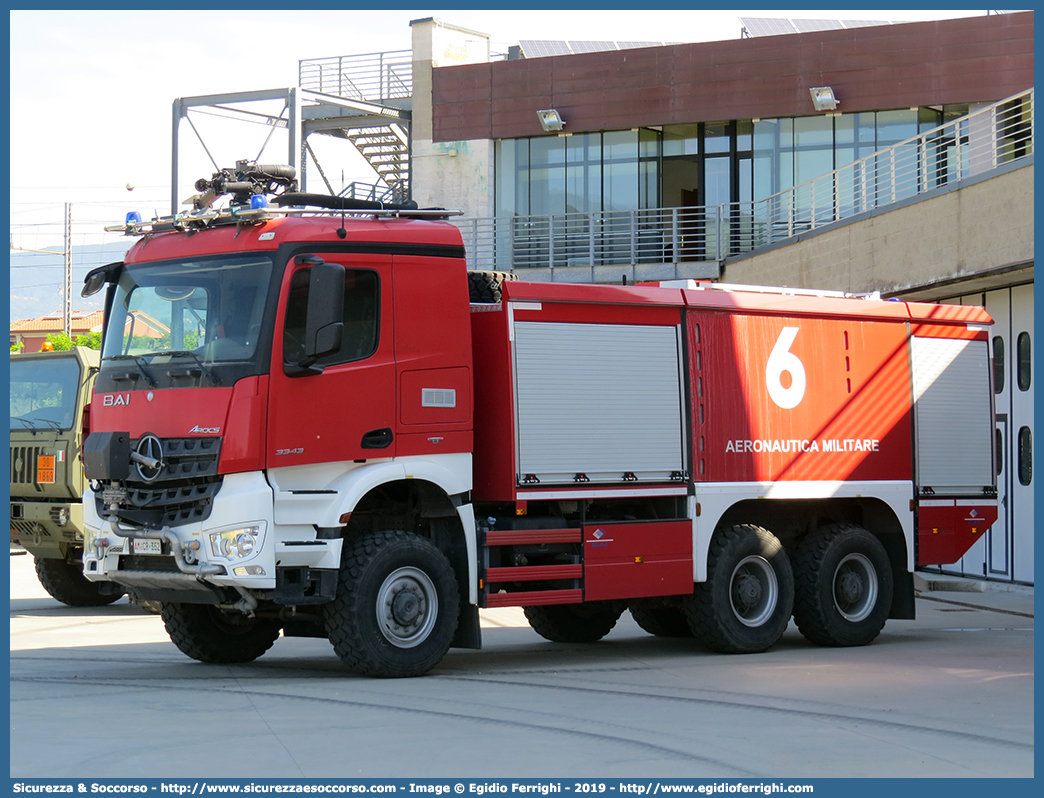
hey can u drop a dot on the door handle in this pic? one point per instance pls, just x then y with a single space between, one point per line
377 438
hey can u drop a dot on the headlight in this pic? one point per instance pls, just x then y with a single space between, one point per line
235 544
63 516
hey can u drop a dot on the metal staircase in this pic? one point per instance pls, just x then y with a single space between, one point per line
386 148
381 84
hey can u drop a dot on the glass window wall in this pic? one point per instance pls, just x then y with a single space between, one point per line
678 166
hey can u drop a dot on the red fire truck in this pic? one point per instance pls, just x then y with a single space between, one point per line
317 422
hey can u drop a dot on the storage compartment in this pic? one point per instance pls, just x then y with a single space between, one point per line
634 560
597 403
953 416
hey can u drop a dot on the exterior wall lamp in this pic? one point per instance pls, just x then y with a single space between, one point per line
823 98
550 120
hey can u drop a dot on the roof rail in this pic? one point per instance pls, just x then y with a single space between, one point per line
766 289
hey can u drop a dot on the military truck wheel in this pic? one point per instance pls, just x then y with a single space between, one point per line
215 636
745 604
574 623
843 586
397 606
484 287
65 581
661 621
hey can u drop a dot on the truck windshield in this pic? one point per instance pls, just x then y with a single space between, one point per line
187 313
43 393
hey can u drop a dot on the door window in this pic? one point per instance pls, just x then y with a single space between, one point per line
361 318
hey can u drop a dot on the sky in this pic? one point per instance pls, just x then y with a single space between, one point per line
92 91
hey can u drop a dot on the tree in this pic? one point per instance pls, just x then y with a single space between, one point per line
91 340
63 342
60 341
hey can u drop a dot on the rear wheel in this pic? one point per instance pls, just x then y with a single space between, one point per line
745 604
210 634
397 606
843 590
661 621
574 623
65 581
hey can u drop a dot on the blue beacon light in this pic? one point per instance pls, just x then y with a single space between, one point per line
258 201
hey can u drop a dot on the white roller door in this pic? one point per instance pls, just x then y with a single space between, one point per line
952 415
602 400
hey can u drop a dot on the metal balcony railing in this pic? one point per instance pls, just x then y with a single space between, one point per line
371 77
964 148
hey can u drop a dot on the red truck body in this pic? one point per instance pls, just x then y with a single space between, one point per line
572 449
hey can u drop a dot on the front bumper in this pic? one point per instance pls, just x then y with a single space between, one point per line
46 529
191 558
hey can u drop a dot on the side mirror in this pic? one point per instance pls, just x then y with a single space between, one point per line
324 324
96 278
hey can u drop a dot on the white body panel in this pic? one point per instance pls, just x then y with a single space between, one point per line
715 498
288 505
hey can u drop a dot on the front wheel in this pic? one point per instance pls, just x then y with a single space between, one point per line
745 604
843 586
397 606
65 581
574 623
215 636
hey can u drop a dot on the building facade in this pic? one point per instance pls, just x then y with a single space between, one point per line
655 132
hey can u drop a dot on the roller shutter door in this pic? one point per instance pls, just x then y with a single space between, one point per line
601 400
952 414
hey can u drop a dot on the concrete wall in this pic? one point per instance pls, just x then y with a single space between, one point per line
984 227
448 174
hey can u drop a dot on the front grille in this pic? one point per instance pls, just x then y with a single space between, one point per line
186 458
23 464
182 492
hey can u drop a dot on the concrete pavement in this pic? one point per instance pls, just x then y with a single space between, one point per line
102 693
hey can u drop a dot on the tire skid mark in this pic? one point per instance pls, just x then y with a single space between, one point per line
738 704
500 723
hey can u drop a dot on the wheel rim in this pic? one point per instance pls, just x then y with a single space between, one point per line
855 587
753 591
407 607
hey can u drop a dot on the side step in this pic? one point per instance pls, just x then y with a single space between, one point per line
512 575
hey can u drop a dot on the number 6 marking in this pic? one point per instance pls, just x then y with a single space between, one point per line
782 359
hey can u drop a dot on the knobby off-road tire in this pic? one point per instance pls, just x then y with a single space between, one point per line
661 621
397 606
745 604
574 623
485 287
65 581
843 586
215 636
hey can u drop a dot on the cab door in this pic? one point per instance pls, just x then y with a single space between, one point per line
343 408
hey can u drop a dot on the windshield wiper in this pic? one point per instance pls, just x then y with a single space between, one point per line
48 421
138 362
29 425
203 369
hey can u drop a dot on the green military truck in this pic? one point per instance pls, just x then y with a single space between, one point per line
48 393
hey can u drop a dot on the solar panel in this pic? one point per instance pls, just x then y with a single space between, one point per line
864 23
536 48
766 26
809 25
591 47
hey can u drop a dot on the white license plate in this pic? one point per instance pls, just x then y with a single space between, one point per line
147 546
